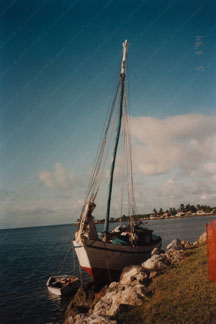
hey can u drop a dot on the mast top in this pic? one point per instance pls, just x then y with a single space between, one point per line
124 56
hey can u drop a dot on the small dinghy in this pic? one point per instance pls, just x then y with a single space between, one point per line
63 285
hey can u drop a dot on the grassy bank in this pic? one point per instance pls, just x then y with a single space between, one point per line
182 295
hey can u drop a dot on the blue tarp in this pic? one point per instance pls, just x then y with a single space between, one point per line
123 240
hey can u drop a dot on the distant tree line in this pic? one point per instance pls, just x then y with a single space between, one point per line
183 208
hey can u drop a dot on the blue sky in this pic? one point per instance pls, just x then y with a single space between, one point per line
58 66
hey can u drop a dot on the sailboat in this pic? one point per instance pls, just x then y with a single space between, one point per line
104 256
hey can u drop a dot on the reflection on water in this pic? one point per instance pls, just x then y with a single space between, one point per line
29 256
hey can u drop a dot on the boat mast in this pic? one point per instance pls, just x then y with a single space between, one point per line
122 86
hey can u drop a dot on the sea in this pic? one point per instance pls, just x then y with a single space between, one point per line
28 256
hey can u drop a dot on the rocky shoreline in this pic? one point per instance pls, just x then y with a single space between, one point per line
90 306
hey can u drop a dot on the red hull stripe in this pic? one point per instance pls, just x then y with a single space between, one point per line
89 270
103 274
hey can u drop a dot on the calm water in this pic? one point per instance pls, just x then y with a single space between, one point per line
29 256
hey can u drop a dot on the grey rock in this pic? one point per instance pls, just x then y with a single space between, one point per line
112 302
156 251
174 255
186 244
156 263
175 244
132 273
113 285
203 238
140 277
89 319
153 274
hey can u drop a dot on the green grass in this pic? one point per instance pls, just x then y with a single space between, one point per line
183 295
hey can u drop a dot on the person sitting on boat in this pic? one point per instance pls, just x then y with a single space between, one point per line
89 227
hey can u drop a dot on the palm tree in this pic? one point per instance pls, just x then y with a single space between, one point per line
198 207
161 211
188 207
182 208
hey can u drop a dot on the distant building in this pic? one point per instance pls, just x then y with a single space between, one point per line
200 212
165 215
180 214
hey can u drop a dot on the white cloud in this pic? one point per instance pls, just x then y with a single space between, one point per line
188 189
47 179
183 141
174 162
210 168
46 211
60 178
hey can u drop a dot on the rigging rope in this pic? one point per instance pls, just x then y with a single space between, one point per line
126 165
65 258
93 184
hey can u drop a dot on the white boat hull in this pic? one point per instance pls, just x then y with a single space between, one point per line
106 260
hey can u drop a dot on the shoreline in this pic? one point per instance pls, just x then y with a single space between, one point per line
158 218
183 216
158 284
